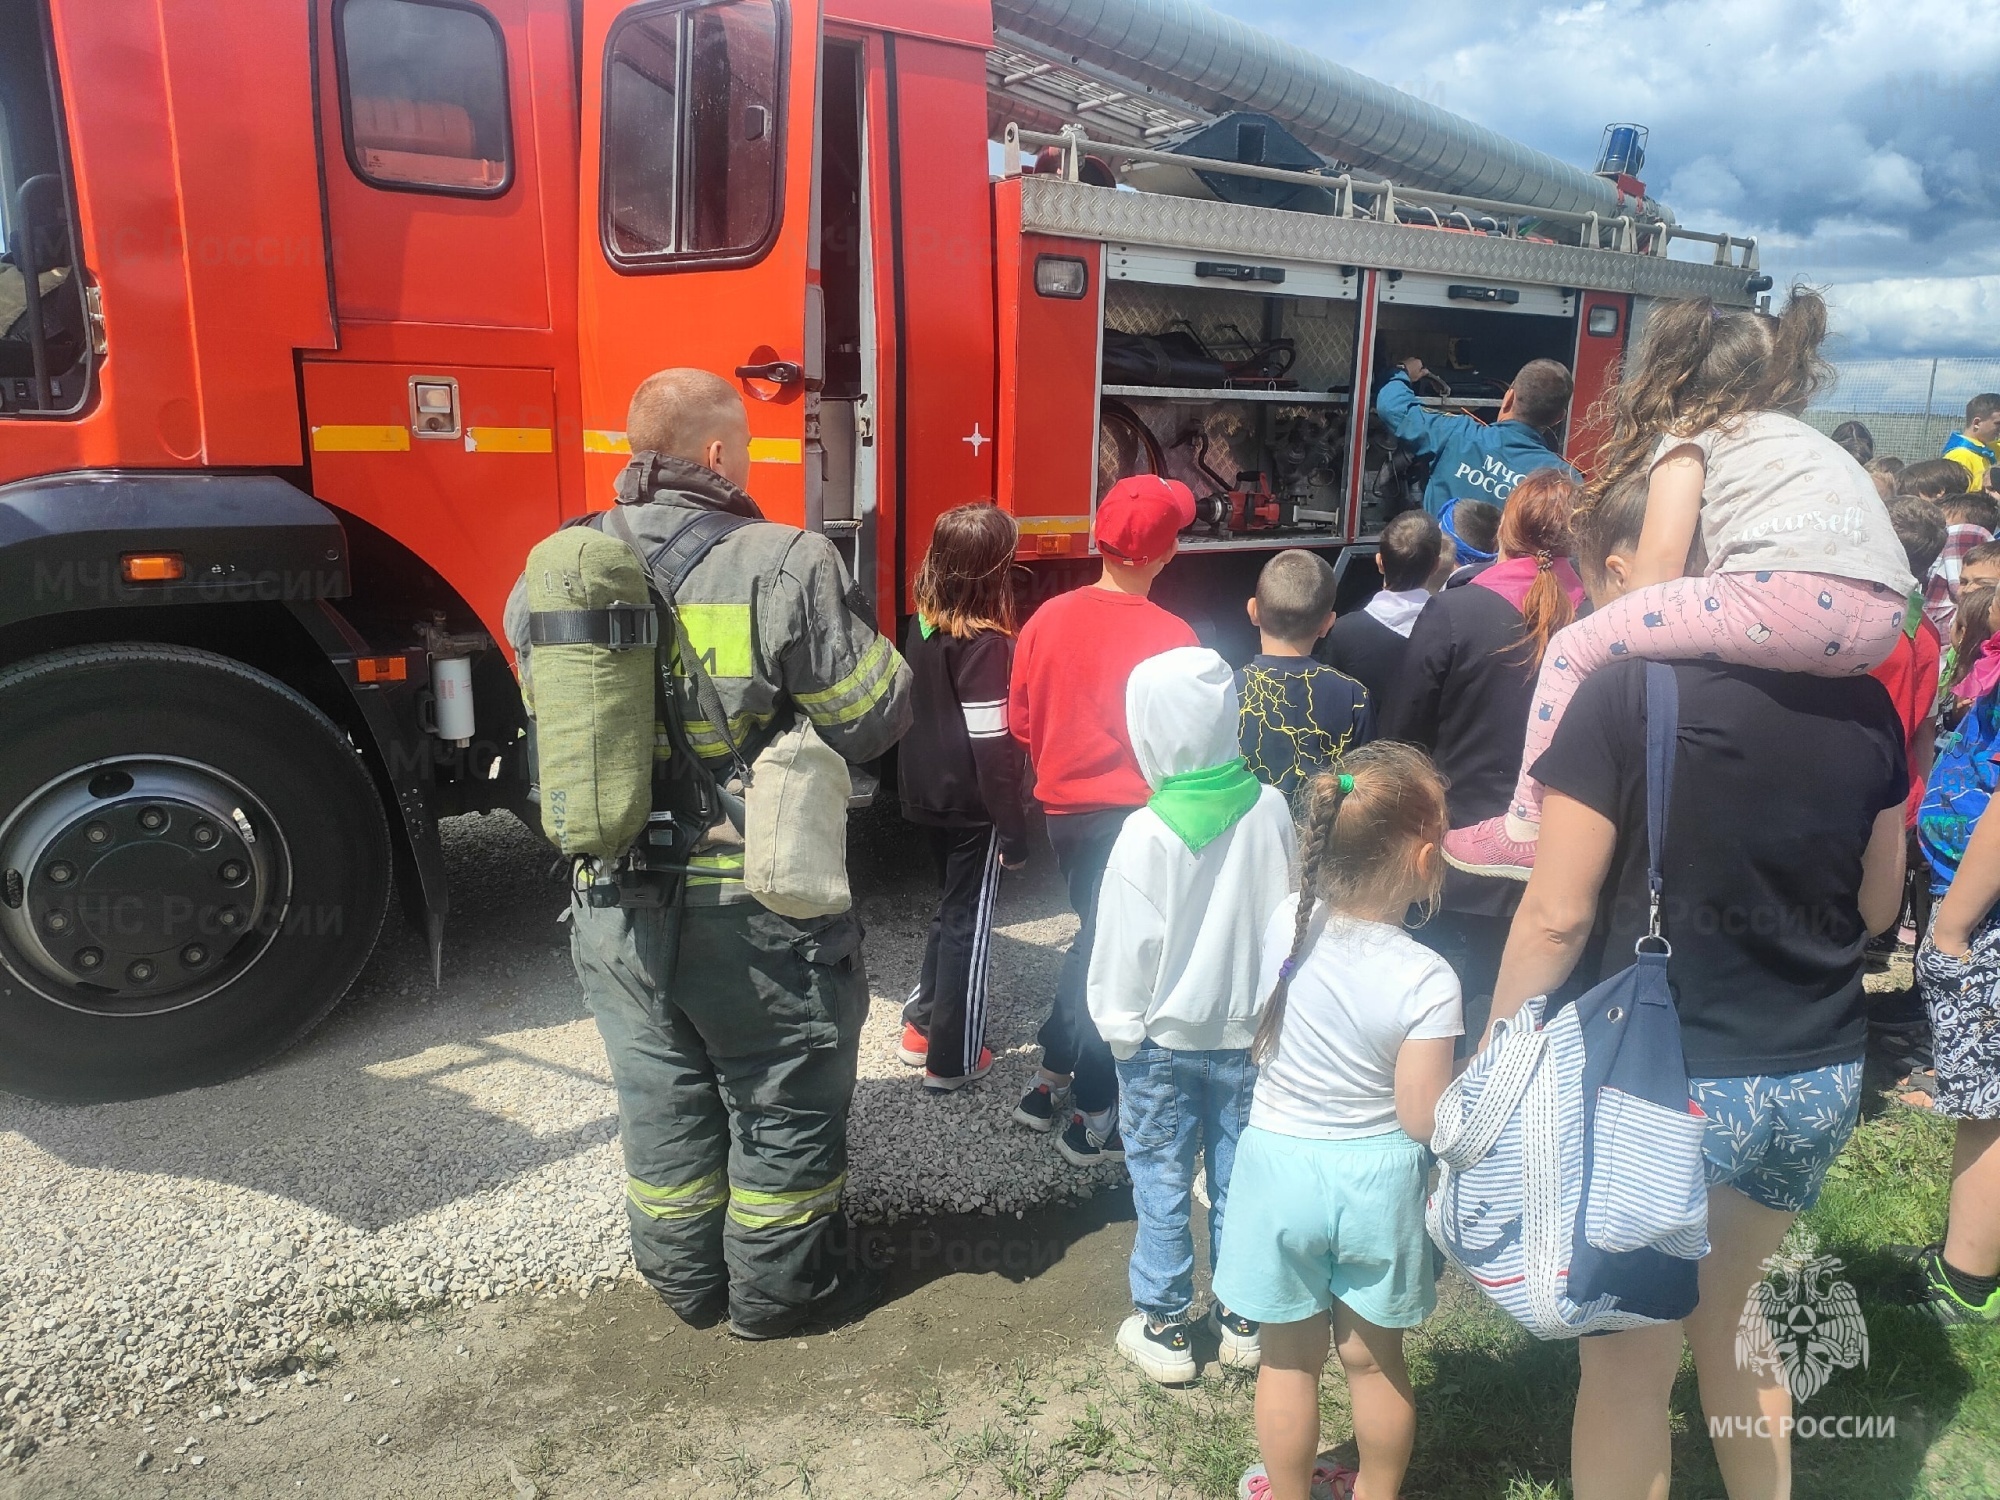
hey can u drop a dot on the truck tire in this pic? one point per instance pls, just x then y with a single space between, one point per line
194 865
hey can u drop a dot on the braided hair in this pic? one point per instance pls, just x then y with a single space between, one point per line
1364 829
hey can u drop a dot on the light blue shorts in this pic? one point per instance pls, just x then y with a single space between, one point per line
1773 1136
1311 1221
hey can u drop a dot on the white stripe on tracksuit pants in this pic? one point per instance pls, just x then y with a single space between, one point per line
949 1001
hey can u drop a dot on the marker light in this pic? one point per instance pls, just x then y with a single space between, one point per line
1061 276
153 567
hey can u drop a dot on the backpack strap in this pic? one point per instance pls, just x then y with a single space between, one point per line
621 627
1663 714
670 563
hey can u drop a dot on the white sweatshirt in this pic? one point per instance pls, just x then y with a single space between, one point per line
1179 933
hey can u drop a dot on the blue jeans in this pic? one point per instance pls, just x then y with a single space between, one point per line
1171 1105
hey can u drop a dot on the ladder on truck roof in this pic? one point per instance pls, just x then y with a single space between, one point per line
1378 223
1031 86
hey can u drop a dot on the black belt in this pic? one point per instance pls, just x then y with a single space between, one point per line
622 627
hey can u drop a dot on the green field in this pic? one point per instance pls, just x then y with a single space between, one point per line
1494 1405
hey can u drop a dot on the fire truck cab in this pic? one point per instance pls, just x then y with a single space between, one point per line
315 317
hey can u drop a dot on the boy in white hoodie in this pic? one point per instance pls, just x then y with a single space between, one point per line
1192 883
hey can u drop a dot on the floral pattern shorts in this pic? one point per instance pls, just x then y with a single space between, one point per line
1771 1136
1962 996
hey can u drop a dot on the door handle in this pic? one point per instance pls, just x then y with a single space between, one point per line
778 372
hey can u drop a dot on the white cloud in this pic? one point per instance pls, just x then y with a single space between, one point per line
1919 315
1837 131
1705 185
1891 182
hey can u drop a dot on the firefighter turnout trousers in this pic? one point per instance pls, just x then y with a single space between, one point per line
734 1076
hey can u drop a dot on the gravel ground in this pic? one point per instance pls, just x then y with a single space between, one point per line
432 1147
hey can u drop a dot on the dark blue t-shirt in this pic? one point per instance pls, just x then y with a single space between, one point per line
1299 715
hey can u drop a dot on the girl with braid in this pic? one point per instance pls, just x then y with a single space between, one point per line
1326 1239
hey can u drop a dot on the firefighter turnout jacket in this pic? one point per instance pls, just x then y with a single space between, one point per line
733 1033
778 626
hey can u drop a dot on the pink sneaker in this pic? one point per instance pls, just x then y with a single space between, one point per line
1485 849
1330 1481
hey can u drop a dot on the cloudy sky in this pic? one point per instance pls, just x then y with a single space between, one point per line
1859 140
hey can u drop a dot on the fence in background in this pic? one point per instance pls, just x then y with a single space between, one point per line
1910 405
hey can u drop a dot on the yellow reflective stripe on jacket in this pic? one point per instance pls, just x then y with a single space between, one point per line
859 691
720 635
688 1201
705 741
716 869
754 1210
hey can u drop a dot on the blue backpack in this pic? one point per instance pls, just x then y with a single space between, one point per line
1571 1187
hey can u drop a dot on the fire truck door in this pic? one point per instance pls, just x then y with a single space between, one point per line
699 147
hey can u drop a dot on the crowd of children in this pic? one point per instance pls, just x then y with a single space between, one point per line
1243 1017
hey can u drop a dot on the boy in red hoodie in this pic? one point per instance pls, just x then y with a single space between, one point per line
1066 704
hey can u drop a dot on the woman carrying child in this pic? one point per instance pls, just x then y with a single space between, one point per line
1776 873
1799 568
960 776
1326 1240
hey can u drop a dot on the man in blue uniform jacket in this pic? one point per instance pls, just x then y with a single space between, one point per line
1469 459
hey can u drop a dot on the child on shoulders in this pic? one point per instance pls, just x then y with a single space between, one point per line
1355 1047
1766 545
1174 991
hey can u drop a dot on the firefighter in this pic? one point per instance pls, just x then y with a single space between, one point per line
1469 459
733 1032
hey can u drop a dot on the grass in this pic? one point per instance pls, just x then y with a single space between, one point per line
1494 1405
380 1307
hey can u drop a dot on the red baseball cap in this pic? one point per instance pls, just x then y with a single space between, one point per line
1139 517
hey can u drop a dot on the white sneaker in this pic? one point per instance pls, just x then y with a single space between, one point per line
1238 1346
1162 1352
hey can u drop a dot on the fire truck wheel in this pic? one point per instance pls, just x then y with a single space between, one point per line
194 864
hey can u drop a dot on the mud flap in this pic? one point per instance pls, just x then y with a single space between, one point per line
399 758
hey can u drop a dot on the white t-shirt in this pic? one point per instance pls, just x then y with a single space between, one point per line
1783 497
1362 990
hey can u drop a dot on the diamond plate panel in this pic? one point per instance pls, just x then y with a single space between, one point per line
1049 205
1229 322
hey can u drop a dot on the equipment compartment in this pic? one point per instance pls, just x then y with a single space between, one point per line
1473 338
1247 401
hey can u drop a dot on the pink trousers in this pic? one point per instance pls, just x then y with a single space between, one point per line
1786 622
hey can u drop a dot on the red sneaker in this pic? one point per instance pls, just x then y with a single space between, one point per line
942 1085
915 1047
1485 849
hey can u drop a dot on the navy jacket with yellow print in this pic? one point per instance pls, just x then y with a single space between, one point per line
777 623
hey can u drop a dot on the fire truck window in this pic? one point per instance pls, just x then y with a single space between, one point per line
641 116
424 93
732 127
44 343
691 133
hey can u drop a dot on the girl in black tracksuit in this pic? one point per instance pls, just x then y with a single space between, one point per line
960 774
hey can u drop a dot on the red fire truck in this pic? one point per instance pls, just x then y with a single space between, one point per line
316 314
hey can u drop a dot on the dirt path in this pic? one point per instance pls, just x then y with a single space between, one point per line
610 1395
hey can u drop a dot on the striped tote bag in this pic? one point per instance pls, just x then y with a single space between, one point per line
1570 1186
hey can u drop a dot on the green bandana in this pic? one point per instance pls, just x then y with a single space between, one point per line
1201 806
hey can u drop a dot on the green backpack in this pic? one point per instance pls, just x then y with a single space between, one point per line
611 750
592 690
